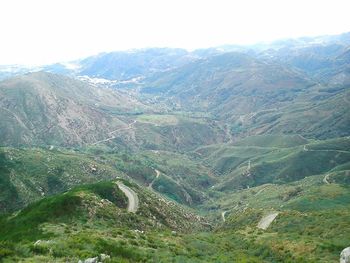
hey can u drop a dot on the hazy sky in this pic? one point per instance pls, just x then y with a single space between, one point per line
45 31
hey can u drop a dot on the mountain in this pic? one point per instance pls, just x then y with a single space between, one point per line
44 108
324 58
49 109
232 82
327 116
134 63
275 159
227 154
256 96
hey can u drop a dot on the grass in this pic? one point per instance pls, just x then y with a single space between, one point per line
273 140
312 226
88 220
272 164
158 119
81 224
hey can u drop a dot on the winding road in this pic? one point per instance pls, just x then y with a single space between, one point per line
223 215
133 203
325 179
130 126
157 175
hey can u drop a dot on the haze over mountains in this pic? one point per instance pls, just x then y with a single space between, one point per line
211 141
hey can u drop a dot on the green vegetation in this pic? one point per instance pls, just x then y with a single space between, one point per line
249 164
89 220
92 219
210 148
158 119
38 172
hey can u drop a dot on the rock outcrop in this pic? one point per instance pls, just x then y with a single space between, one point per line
345 255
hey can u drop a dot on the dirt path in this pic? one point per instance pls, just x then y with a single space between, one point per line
125 128
266 221
223 215
157 175
323 150
325 179
339 151
130 126
260 191
133 203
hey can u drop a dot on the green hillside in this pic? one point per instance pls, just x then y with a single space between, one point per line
312 225
229 154
250 164
92 219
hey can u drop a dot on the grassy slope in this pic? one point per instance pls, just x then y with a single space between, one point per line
92 219
313 224
36 172
270 163
319 113
313 232
176 133
79 232
29 174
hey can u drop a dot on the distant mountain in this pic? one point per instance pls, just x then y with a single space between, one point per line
130 64
307 53
231 83
258 95
324 58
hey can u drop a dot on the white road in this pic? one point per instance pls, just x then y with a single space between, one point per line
157 175
325 179
266 221
129 127
133 203
223 215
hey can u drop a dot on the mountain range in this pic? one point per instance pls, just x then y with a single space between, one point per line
227 154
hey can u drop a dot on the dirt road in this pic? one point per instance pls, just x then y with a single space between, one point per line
266 221
133 203
157 175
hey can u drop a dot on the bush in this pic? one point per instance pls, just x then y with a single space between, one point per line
5 252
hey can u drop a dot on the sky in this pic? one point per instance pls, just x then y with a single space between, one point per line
35 32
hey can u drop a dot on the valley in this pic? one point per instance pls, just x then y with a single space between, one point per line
219 155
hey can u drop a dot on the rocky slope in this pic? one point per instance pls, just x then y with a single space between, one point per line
43 108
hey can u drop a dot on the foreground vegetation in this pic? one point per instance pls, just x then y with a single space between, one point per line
92 220
63 217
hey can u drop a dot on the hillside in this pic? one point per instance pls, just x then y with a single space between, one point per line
251 162
227 154
29 174
255 96
90 220
311 225
323 113
229 83
47 109
43 108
